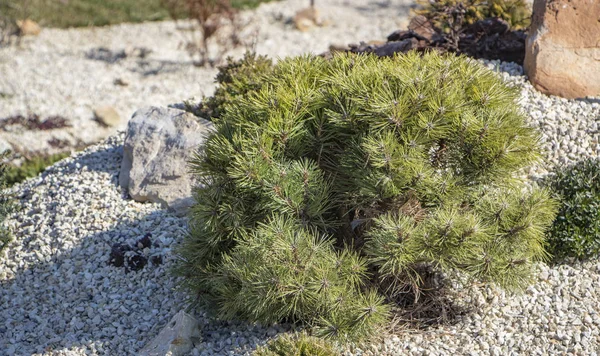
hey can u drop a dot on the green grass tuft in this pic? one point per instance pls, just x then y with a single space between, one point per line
31 168
6 207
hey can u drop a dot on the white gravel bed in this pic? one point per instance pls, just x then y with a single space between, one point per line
60 296
58 292
59 72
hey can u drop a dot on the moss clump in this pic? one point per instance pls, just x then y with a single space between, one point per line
576 229
330 187
297 345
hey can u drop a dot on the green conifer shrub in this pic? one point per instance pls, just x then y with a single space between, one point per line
297 345
576 229
327 191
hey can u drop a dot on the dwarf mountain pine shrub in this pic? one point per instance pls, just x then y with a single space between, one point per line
330 188
576 229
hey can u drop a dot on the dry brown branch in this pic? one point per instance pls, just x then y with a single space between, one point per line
208 17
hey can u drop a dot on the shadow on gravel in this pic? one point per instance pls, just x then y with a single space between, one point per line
86 282
105 55
67 284
69 290
590 100
142 63
61 312
112 56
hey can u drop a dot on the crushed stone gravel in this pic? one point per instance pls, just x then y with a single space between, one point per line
70 72
59 293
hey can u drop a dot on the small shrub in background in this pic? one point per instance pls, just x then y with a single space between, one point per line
235 79
457 14
490 30
208 16
576 229
297 345
330 191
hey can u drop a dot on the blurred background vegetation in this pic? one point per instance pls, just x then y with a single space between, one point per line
78 13
30 167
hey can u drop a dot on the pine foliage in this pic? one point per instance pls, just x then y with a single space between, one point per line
325 190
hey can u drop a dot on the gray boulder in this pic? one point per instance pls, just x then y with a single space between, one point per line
158 145
178 337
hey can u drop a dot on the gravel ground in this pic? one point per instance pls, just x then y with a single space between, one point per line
71 72
60 296
58 292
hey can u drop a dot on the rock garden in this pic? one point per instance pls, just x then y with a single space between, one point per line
301 178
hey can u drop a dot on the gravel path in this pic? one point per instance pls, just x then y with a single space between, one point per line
60 296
